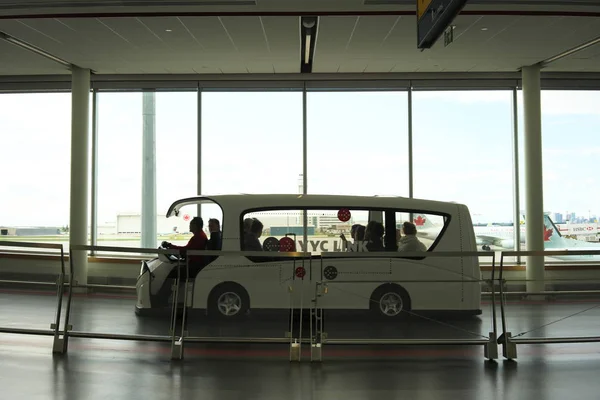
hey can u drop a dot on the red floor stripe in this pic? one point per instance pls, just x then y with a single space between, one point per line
328 351
131 297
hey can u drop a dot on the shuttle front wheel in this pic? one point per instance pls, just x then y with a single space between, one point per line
390 300
228 300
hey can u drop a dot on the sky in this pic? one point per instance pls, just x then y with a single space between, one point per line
252 143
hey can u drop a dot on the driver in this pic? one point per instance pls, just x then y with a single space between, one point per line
197 242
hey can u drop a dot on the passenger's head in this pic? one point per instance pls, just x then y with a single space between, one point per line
248 224
196 225
256 228
353 231
408 228
214 225
359 235
374 231
377 230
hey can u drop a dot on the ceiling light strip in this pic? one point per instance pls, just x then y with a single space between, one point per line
34 49
307 50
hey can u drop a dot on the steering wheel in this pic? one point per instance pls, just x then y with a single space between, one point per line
172 257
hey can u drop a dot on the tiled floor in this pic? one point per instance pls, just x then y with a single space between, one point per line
114 369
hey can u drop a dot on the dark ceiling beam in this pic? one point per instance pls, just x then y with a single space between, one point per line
593 14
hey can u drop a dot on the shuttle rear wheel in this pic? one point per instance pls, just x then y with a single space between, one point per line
390 301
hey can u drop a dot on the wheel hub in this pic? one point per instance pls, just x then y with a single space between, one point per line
391 304
229 303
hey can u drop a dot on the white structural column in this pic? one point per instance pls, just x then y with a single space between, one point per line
78 225
534 194
149 171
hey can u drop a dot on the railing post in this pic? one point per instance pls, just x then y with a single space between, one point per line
58 342
491 348
177 345
509 349
294 345
316 341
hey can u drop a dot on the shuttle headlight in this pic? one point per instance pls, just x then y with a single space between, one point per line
144 268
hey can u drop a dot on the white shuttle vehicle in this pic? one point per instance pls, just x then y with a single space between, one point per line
229 285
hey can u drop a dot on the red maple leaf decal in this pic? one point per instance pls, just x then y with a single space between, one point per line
547 233
419 221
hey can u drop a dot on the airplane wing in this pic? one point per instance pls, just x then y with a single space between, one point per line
489 240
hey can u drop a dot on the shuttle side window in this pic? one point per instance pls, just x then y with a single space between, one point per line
337 229
327 230
428 228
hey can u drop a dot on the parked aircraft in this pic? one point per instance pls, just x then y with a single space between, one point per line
497 235
502 236
553 240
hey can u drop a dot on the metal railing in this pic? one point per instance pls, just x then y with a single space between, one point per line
292 337
60 285
178 333
320 338
68 330
507 340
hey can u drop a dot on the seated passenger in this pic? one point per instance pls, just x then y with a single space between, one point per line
360 233
352 235
248 225
410 242
251 242
215 241
357 232
374 236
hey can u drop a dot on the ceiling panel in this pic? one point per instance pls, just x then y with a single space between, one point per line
17 61
283 34
371 33
496 43
247 34
209 32
334 33
286 67
272 44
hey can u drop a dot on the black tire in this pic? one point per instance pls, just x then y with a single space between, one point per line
225 297
391 292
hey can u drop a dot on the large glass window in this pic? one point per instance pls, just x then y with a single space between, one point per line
176 161
570 124
35 131
357 143
120 122
462 149
251 142
570 127
120 160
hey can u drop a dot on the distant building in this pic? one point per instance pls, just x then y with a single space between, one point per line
558 218
29 231
131 223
